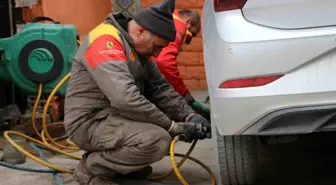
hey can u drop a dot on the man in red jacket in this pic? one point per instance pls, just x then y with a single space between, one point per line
187 25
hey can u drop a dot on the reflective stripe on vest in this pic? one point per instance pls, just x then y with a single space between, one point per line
104 29
184 35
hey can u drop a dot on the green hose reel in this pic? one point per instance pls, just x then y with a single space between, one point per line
39 53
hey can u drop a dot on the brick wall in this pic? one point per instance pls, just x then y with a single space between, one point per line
84 14
190 60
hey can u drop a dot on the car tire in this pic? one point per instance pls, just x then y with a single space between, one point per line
238 159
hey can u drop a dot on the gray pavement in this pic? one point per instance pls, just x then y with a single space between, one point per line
193 173
310 161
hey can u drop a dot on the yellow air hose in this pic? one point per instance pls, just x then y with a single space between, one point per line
45 137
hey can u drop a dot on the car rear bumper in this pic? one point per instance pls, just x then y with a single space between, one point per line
256 115
299 120
235 48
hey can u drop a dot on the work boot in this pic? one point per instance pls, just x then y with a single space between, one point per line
84 177
141 174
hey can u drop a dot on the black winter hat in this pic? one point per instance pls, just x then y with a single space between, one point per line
158 19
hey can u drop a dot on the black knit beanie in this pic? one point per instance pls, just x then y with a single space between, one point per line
158 19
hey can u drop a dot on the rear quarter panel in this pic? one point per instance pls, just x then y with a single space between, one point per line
235 48
291 14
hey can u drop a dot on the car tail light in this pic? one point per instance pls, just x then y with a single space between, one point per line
226 5
249 82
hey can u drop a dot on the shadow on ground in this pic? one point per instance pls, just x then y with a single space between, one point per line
309 161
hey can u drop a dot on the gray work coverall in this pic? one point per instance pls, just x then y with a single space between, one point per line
118 106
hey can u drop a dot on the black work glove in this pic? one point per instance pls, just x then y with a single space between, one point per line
205 124
198 107
188 131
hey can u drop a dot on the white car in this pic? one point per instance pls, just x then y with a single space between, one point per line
271 71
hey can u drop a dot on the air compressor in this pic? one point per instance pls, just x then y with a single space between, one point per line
39 53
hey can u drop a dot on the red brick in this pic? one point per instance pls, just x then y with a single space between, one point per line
195 45
189 4
203 84
180 4
82 37
192 84
143 3
195 72
201 59
188 58
146 3
200 3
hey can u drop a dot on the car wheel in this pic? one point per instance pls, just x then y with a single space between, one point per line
238 158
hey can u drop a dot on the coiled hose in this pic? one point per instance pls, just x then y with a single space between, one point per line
60 148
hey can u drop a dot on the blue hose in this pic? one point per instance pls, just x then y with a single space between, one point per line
43 157
25 169
37 148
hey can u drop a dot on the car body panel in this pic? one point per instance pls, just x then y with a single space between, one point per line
235 48
291 14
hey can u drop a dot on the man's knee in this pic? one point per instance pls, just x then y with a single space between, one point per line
157 143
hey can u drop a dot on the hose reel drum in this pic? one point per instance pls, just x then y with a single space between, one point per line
39 53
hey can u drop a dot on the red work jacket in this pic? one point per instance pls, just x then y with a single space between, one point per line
166 61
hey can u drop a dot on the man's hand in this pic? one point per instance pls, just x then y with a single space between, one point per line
188 131
197 106
206 126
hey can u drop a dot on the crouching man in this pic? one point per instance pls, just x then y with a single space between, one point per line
119 108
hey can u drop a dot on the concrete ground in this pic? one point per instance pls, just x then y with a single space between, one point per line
310 161
193 173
